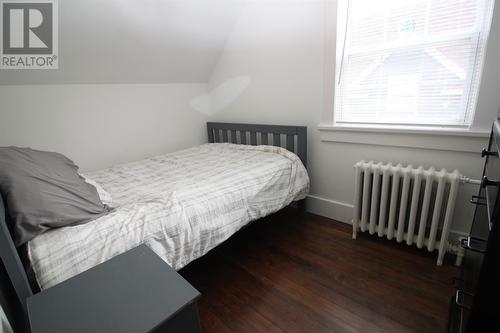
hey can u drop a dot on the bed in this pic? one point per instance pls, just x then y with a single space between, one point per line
181 204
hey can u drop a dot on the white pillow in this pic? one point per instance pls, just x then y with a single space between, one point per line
103 194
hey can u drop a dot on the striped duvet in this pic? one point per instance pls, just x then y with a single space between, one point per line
181 205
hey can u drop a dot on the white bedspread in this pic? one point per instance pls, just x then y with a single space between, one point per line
181 205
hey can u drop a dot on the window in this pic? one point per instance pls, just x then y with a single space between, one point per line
410 62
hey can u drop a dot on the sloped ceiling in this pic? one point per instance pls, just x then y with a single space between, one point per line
136 41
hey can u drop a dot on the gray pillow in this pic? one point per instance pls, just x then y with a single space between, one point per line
43 190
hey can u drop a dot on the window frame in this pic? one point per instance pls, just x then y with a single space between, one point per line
472 97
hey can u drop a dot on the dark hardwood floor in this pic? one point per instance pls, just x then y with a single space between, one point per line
293 272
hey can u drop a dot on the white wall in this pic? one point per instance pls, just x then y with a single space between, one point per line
101 125
285 50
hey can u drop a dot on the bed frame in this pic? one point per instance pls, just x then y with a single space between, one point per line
14 284
293 138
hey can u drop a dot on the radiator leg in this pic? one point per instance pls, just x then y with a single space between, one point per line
458 261
354 229
440 257
460 255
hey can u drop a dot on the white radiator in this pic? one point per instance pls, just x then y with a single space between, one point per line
409 204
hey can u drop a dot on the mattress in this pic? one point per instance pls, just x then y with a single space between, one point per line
181 205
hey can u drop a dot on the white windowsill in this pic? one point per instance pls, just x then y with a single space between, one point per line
415 137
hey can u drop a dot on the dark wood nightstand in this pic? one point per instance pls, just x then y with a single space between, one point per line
134 292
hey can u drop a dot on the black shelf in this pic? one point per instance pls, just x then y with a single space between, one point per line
478 286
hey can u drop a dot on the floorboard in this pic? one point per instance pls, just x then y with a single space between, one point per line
293 272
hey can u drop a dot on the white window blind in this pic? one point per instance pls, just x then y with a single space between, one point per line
410 62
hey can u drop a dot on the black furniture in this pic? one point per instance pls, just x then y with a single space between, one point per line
475 307
133 292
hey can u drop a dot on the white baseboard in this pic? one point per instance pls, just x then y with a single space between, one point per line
336 210
342 212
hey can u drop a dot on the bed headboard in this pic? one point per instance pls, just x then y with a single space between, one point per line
293 138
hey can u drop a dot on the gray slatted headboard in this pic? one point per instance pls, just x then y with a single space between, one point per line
293 138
